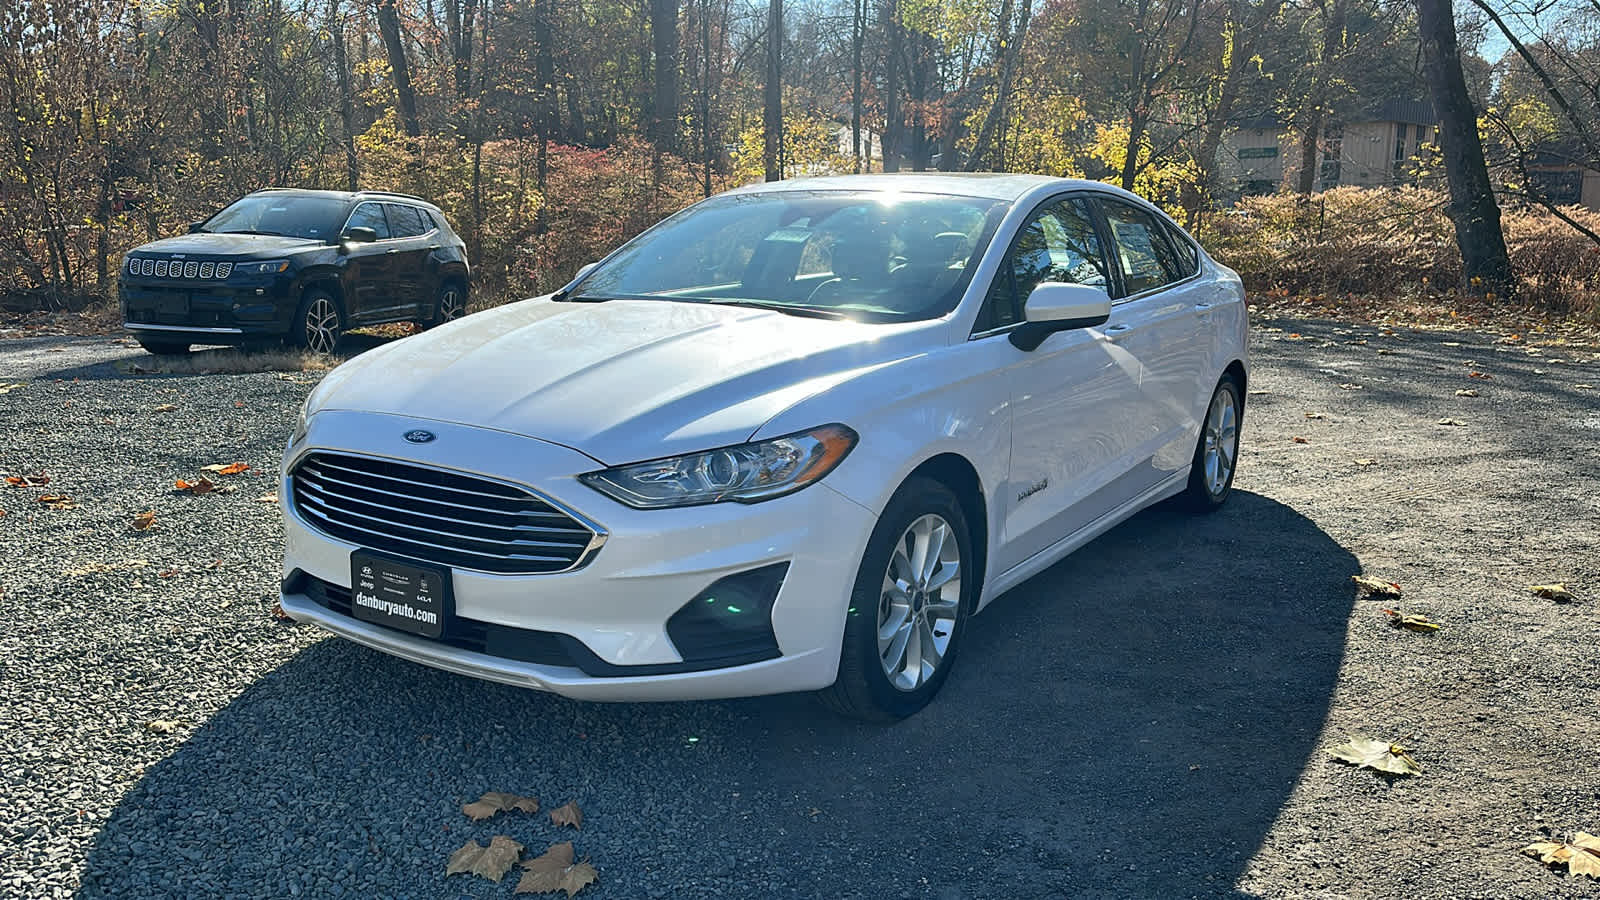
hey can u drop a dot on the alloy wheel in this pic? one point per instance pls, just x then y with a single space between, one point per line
918 603
450 306
1222 441
322 325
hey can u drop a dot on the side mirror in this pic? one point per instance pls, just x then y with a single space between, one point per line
196 227
359 235
1054 306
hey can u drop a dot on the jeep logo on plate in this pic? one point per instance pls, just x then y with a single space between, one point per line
419 436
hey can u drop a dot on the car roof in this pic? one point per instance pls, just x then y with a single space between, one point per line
347 196
990 185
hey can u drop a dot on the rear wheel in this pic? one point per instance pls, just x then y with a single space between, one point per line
450 305
318 323
909 606
164 348
1216 454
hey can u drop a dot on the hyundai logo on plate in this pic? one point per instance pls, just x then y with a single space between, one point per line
419 436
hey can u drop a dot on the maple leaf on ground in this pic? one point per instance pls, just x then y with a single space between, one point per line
554 871
143 521
1364 752
1581 855
1411 622
39 480
57 501
493 802
492 862
1375 588
203 486
567 814
228 469
1557 592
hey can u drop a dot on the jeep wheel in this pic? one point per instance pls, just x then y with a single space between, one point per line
318 324
450 305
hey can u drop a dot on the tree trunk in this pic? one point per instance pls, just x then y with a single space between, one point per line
664 42
893 125
772 94
1484 261
394 43
1310 133
858 39
347 113
545 114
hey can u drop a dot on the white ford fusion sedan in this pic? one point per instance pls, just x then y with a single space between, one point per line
791 438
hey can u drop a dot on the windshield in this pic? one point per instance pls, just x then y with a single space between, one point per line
875 256
281 214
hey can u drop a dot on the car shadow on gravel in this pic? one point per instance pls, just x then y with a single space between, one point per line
1128 723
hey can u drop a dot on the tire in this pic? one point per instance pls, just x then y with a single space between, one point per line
864 688
451 304
1209 487
318 323
163 348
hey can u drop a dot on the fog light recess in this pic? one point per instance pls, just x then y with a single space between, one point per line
730 622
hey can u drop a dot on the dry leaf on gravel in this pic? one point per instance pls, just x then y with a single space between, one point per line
203 486
1584 387
567 814
1557 592
1412 622
1365 462
1483 375
493 802
228 468
1315 416
143 521
161 726
1364 752
1298 440
166 407
8 388
1466 392
492 862
1258 392
1349 386
554 871
277 611
57 501
268 498
1375 588
39 480
1581 855
1451 422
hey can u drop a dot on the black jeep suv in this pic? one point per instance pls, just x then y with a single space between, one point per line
296 266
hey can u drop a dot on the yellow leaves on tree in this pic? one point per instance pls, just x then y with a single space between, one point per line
492 862
1366 753
494 802
554 871
1581 855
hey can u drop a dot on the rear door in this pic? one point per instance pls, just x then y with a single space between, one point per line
369 267
410 258
1069 396
1164 302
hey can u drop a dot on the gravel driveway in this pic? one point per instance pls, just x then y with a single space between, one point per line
1149 718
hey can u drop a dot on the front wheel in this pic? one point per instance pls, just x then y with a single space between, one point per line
318 323
1216 454
450 305
909 607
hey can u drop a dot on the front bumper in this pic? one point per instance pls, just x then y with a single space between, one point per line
207 312
616 607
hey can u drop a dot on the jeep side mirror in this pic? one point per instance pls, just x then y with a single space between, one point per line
359 235
1055 306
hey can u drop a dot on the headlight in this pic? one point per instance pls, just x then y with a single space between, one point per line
301 424
266 267
748 473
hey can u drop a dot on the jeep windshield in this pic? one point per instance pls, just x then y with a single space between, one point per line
283 215
871 256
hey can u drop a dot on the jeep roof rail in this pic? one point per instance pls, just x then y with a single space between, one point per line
396 194
350 193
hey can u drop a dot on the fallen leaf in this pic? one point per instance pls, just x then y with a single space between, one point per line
1364 752
1451 422
166 407
203 486
268 498
1466 392
1348 386
493 802
1375 588
492 862
1411 622
8 388
1299 440
1484 375
57 501
1581 855
143 521
161 726
1258 392
277 611
2 513
554 871
1295 336
1557 592
1584 387
39 480
1365 462
1315 416
228 469
567 814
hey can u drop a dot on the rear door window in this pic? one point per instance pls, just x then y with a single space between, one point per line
405 220
1147 261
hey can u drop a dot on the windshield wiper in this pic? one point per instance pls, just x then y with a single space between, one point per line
564 297
808 312
248 231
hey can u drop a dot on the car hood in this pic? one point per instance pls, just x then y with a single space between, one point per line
620 381
260 246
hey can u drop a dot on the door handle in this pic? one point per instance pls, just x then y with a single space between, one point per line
392 250
1202 307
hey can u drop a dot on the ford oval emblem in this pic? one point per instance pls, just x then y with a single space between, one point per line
419 436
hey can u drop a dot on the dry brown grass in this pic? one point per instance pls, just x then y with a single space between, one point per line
231 362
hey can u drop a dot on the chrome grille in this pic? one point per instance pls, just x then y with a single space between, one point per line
161 268
191 269
439 516
149 266
208 269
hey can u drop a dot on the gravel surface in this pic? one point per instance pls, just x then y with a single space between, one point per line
1147 719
